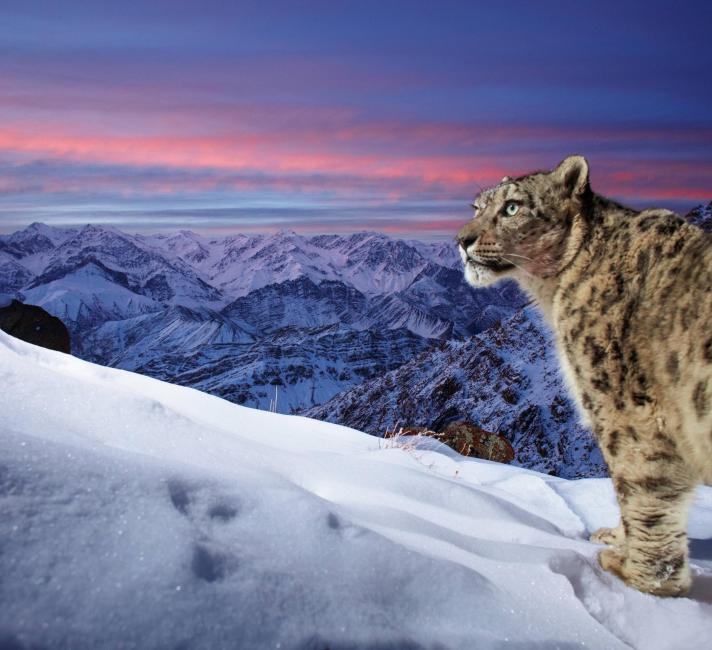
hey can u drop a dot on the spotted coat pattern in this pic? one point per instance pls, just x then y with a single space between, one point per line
629 297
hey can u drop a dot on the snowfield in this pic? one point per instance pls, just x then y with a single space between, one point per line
139 514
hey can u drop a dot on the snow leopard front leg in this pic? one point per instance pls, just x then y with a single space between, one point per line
654 490
608 443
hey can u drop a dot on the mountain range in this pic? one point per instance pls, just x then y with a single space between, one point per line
252 318
362 330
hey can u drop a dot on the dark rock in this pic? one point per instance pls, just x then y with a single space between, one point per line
446 389
34 325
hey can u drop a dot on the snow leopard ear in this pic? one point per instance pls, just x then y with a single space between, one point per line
573 174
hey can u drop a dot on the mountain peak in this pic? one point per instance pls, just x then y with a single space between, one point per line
283 233
188 234
95 227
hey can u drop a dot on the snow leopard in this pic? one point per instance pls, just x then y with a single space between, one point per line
628 295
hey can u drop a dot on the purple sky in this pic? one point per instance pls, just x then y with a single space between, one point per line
339 116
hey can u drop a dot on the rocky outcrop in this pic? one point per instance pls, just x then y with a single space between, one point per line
34 325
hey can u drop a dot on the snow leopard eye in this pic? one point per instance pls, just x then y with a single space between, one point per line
511 209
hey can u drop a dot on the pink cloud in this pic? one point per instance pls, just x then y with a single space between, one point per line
298 158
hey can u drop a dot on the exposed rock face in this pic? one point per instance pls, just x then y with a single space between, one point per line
34 325
471 440
206 350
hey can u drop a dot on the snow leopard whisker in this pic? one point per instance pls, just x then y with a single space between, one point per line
504 257
524 257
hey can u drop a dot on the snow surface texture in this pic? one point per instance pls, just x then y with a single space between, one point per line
139 514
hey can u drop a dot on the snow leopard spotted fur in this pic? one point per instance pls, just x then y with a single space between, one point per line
629 297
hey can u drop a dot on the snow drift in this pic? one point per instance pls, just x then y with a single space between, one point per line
138 514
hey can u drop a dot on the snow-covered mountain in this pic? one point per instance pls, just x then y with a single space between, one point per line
138 514
298 366
370 262
137 268
34 240
505 379
13 275
239 315
189 270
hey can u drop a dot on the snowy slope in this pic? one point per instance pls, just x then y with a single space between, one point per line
135 513
89 295
13 275
129 342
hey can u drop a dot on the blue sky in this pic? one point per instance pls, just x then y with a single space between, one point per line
337 116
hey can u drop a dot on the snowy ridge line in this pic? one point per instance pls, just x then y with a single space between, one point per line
189 269
136 513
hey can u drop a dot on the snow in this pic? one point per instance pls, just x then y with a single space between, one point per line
138 514
370 262
88 291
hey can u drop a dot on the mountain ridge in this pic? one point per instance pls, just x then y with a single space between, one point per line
313 315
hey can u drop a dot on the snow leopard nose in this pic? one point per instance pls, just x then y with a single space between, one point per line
468 235
467 240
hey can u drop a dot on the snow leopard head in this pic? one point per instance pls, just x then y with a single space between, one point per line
520 226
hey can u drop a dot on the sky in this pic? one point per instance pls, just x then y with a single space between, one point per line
338 116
